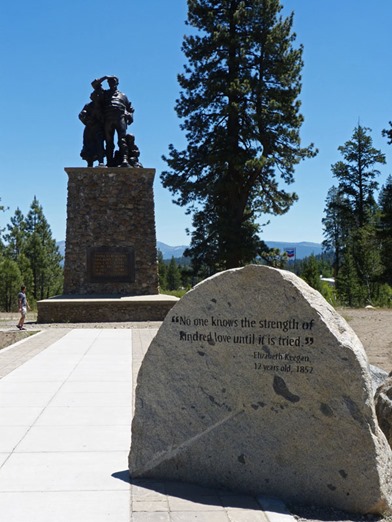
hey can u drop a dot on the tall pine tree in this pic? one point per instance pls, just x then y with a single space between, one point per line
240 110
43 254
357 173
10 283
337 223
16 236
173 275
385 229
162 271
356 215
2 209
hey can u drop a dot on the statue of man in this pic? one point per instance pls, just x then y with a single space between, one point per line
117 114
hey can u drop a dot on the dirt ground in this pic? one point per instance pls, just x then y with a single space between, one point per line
374 328
372 325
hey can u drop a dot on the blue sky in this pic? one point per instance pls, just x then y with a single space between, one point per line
52 50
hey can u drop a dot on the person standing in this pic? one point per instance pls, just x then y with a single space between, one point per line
23 305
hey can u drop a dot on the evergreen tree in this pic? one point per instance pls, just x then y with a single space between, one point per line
388 133
385 229
10 283
351 220
2 209
366 251
311 272
162 272
325 261
17 235
240 110
187 277
43 254
348 285
337 223
15 249
274 257
357 173
173 275
27 276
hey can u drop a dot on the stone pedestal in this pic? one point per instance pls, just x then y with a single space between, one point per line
98 309
110 267
110 241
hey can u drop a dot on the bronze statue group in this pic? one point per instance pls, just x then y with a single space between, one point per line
108 112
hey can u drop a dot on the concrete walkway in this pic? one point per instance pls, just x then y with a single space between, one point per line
65 430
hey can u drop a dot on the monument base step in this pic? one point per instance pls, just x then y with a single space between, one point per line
93 309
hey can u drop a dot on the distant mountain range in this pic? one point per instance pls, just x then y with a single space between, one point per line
167 251
302 249
171 251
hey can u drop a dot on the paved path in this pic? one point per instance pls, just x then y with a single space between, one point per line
65 428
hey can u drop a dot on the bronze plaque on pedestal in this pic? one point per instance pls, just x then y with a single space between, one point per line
111 264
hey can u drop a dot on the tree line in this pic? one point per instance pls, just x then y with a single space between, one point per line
358 226
29 256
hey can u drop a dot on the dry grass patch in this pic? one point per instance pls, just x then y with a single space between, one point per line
8 338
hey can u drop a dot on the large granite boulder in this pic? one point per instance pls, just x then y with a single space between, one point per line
378 375
383 401
255 383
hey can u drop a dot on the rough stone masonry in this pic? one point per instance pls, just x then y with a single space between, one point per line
255 383
111 239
